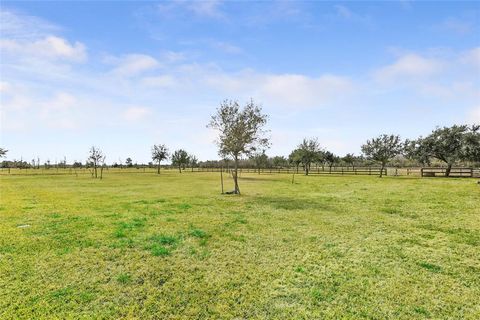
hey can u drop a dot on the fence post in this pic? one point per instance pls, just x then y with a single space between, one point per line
421 172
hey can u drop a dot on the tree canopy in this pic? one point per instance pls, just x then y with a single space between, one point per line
383 148
180 159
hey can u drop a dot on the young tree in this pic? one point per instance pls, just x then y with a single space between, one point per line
330 159
96 157
193 161
77 164
260 159
309 151
241 131
383 148
349 159
295 158
159 153
129 162
447 144
180 159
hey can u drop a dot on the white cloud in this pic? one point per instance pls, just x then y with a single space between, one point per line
21 26
283 90
49 48
300 91
133 64
58 112
409 66
135 113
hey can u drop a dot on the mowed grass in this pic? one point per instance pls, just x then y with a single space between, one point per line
170 246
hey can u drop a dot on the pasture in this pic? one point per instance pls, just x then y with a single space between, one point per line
169 246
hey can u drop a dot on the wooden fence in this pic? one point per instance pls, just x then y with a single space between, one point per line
372 171
454 172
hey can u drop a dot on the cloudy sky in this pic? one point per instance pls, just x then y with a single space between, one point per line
126 75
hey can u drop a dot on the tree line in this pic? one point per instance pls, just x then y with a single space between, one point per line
243 140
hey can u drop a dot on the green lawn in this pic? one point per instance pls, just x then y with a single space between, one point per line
171 247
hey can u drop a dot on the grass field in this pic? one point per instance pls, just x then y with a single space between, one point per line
170 246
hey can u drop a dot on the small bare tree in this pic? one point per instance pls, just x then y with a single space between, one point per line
97 158
159 153
240 131
193 161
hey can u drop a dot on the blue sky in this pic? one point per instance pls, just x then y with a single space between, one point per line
126 75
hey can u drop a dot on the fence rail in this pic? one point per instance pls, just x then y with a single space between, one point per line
442 172
391 171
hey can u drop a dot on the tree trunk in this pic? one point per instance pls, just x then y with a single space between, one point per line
95 169
158 167
235 177
381 170
449 168
180 169
306 169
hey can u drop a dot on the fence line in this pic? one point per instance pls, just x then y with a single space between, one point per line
316 170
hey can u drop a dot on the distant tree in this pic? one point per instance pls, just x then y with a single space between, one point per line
193 161
330 159
129 162
279 161
295 158
96 158
77 164
260 159
3 152
159 153
309 152
383 148
349 159
472 145
449 144
180 158
241 131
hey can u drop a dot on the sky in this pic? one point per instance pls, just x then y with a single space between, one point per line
126 75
